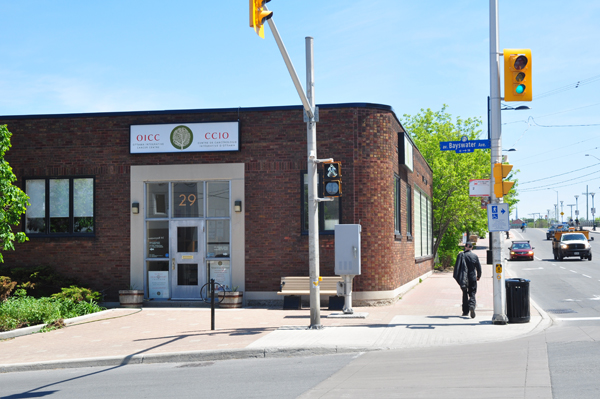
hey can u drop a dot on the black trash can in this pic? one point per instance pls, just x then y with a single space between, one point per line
517 300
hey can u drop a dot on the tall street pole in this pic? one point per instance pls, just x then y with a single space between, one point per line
496 147
308 102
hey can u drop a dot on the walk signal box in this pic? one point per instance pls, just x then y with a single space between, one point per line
332 179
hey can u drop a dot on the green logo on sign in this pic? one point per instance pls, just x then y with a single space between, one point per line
182 137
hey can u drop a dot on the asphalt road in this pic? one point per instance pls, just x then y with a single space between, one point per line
569 291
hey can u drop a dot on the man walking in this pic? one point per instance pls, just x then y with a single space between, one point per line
467 271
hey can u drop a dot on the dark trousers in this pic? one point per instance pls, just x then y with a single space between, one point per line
468 299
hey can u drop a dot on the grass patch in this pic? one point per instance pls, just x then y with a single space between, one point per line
23 311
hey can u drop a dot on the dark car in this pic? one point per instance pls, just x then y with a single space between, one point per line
556 227
521 250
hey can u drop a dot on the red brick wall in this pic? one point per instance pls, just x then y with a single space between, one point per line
273 148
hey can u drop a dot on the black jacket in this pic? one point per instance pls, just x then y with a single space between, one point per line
467 268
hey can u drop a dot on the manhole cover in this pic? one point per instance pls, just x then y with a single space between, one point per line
561 311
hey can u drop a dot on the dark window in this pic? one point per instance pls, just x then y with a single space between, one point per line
408 212
397 208
60 206
329 211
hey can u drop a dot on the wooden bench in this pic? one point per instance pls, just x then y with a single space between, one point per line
294 287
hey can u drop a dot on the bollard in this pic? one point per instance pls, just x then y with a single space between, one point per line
212 303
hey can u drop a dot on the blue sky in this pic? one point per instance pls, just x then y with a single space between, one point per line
90 56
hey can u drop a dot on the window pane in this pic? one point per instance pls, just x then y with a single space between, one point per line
423 225
157 196
157 239
35 216
83 205
397 205
188 200
218 199
408 211
187 239
218 239
59 205
417 215
158 279
331 213
305 203
187 274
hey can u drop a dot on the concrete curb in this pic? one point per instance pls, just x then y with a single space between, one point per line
33 329
185 357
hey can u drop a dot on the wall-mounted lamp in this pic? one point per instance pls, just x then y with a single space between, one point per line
237 206
135 208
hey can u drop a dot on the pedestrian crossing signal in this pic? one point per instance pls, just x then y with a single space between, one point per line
332 179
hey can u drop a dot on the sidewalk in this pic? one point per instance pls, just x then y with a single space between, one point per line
429 315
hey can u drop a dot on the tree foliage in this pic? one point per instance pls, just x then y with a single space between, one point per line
13 200
454 212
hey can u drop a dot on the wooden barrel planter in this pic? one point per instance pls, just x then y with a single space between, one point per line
131 298
232 299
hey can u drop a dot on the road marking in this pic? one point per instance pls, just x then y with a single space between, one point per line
577 318
537 258
533 268
553 264
572 271
561 267
585 275
572 300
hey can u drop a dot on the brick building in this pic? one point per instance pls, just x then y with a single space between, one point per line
163 199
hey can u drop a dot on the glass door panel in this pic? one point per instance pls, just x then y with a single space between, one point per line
187 259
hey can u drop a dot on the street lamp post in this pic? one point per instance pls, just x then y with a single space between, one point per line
571 205
593 212
561 211
577 207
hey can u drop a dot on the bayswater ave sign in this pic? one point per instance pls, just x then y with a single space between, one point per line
464 145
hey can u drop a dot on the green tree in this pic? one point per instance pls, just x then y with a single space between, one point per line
13 200
454 212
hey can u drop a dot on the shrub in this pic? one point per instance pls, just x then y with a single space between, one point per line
6 287
39 281
78 294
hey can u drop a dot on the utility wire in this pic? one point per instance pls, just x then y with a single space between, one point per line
562 174
553 184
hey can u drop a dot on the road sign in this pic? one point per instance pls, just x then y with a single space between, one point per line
464 145
576 213
562 213
479 188
498 217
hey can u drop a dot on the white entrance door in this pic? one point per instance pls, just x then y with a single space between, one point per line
188 272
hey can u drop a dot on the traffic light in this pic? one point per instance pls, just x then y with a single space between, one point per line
258 16
517 75
332 179
501 188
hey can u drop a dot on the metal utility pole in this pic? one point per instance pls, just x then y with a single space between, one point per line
308 101
571 205
593 212
496 147
561 211
587 203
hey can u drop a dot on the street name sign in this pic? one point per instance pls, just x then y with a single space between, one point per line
498 219
464 145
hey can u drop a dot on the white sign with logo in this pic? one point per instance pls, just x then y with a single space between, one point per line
158 284
188 137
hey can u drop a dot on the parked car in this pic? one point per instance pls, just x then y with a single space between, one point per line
556 227
521 250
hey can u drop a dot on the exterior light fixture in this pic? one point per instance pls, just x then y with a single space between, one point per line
135 208
237 206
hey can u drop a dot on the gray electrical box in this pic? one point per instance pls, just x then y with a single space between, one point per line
347 249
